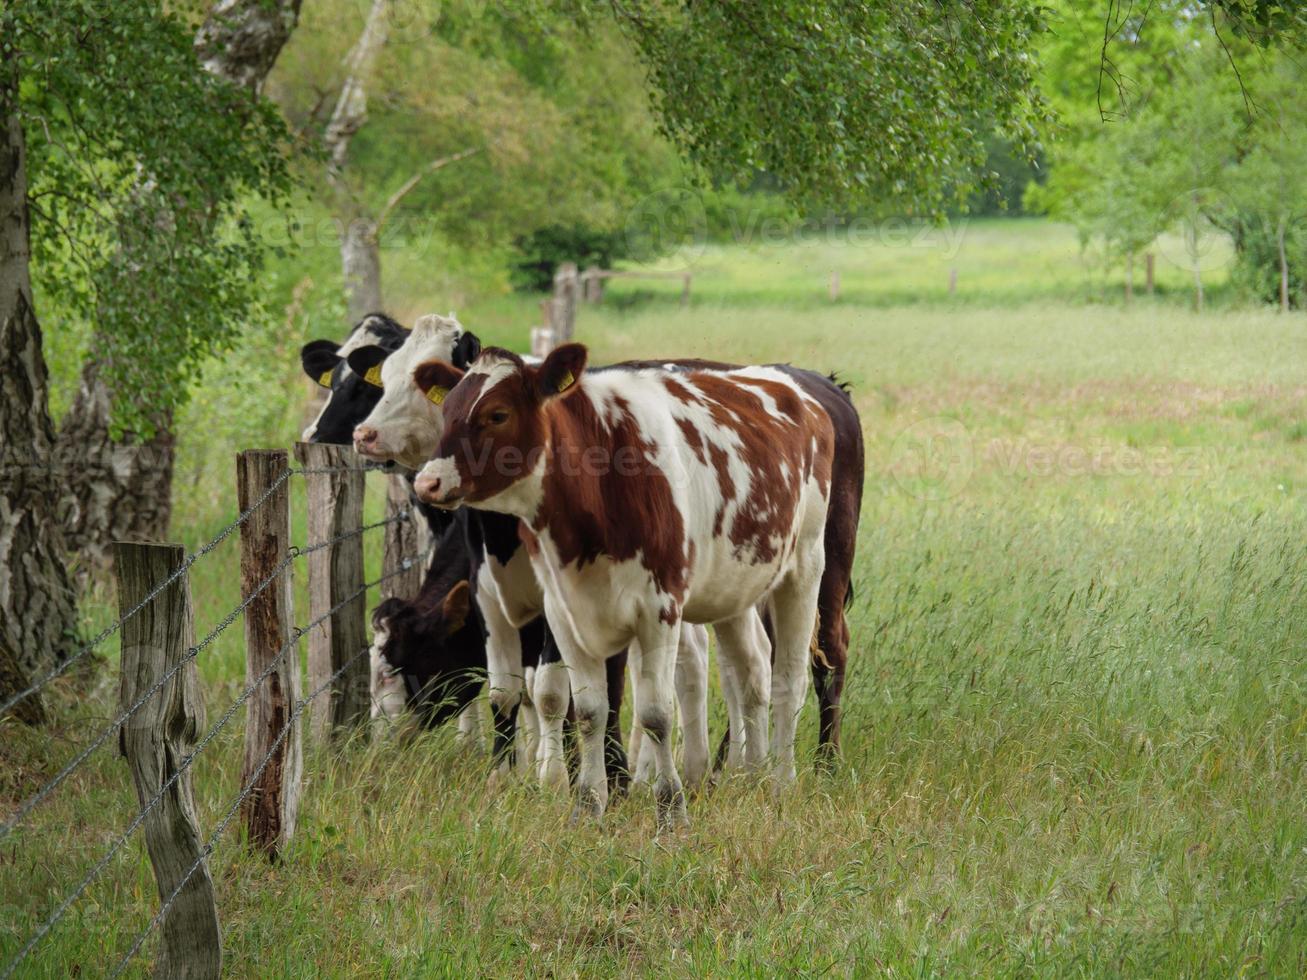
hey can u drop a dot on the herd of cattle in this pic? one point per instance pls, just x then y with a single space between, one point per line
594 519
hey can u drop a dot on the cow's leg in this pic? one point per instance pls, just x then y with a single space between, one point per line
794 611
504 669
552 697
831 657
469 727
527 747
590 697
655 684
615 761
642 757
742 656
692 699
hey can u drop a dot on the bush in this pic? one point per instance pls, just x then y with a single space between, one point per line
542 251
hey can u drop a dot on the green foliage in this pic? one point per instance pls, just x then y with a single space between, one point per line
546 248
1182 126
137 156
844 104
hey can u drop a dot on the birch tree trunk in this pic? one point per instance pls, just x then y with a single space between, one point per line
360 253
121 489
37 606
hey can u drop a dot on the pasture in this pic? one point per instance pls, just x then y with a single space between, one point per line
1076 720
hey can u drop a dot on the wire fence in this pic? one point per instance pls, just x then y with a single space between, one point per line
290 647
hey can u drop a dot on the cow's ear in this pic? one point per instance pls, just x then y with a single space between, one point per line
436 379
561 370
455 607
466 350
366 363
386 611
319 360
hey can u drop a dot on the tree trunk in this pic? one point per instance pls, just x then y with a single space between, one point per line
360 261
1284 268
118 490
38 615
122 489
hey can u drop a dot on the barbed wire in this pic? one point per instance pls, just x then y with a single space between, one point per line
173 576
64 666
230 815
296 634
40 795
308 549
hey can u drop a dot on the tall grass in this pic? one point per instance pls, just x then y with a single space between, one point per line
1076 717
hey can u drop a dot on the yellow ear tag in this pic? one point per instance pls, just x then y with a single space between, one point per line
565 381
373 377
436 395
325 380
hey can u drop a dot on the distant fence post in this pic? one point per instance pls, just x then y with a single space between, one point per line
155 740
563 309
404 539
269 811
1148 271
335 507
835 286
953 280
1129 277
592 285
685 290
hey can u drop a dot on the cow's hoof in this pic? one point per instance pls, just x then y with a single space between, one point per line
670 808
553 776
588 808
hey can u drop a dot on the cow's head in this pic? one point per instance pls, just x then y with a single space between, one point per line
404 426
437 647
494 424
353 390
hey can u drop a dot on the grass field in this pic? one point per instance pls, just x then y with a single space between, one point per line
1076 730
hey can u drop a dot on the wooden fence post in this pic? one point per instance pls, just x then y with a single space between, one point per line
270 810
835 286
1129 277
1148 271
592 285
155 740
335 507
953 280
563 310
685 290
404 539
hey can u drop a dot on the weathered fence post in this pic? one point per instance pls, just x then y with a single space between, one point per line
156 739
952 280
685 290
1129 277
270 810
403 540
1148 271
592 283
335 507
563 310
835 286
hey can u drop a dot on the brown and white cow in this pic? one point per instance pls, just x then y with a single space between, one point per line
649 497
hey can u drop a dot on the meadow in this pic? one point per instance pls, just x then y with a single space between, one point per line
1076 720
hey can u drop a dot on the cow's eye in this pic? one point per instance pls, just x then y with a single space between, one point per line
497 417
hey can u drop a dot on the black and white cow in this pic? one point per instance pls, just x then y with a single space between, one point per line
353 371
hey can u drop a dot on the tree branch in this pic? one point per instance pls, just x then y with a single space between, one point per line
412 182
